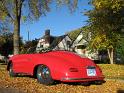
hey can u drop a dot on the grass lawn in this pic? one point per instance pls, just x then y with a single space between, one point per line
112 71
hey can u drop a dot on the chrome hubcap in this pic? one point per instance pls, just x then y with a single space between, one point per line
44 73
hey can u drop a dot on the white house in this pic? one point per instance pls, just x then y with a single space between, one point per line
42 44
64 42
55 42
80 46
1 57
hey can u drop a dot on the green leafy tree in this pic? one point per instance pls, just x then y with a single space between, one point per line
120 51
6 43
106 24
15 10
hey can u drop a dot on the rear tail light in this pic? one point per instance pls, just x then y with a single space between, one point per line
73 70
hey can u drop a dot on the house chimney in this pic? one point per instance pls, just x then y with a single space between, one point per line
47 36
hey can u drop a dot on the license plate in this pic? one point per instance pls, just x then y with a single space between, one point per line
91 72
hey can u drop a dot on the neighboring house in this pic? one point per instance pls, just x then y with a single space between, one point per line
1 57
64 42
55 42
79 45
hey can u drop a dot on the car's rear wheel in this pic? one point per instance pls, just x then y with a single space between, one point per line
44 75
11 72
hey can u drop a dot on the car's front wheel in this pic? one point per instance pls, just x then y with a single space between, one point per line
11 72
44 75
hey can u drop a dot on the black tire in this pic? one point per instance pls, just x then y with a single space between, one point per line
44 75
11 72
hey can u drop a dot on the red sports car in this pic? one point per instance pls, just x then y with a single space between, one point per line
53 66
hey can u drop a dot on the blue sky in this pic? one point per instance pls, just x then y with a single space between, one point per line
59 21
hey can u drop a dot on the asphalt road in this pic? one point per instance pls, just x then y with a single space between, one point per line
10 90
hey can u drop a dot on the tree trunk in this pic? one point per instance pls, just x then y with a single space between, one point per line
16 36
111 56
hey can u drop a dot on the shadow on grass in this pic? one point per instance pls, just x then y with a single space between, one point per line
3 63
117 78
21 75
120 91
85 83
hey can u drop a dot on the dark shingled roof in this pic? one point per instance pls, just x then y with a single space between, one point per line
57 40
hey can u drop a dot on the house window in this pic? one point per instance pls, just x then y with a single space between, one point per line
41 46
68 44
81 46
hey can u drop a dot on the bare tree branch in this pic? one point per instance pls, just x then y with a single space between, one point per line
6 10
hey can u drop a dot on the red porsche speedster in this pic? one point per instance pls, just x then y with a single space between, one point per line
62 66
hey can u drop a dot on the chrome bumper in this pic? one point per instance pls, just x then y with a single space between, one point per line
82 79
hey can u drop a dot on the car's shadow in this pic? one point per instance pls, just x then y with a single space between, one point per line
82 84
20 75
68 83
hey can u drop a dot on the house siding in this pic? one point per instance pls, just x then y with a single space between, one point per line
63 44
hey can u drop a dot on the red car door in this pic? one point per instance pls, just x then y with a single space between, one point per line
23 64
